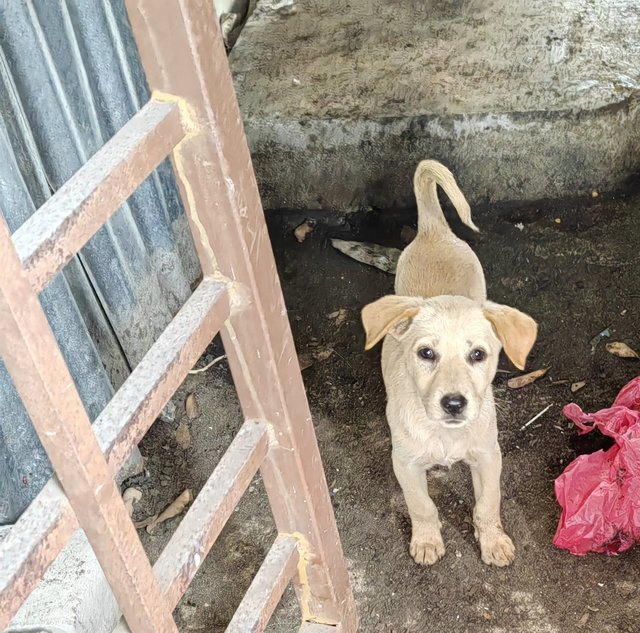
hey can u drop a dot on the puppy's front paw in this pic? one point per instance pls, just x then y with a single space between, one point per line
496 548
427 549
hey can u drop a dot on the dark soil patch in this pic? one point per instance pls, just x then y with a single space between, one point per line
575 270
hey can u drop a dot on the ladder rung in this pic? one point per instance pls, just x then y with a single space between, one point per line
49 521
210 511
201 526
135 406
63 224
267 587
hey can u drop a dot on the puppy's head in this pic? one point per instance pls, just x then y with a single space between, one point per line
450 348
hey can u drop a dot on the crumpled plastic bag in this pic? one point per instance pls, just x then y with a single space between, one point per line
600 493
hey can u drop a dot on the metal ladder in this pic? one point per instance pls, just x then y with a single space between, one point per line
193 115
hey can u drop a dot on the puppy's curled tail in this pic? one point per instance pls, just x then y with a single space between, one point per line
429 174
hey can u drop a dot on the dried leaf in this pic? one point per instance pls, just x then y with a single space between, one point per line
322 354
526 379
583 620
319 354
576 386
183 436
131 496
621 350
382 257
303 230
145 522
173 510
339 316
191 406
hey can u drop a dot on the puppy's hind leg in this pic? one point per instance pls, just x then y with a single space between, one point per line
496 548
427 545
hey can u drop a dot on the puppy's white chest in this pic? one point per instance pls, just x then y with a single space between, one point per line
442 450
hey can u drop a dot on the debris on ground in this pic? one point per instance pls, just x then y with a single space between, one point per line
183 436
302 230
339 316
583 620
599 493
526 379
622 350
595 341
318 355
576 386
535 417
131 496
407 234
215 361
322 354
383 257
173 510
355 444
145 522
285 8
191 406
168 414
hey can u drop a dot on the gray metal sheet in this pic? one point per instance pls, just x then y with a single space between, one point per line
70 77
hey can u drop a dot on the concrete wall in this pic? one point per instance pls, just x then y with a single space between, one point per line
523 99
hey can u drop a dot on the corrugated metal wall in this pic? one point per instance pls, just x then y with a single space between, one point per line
69 79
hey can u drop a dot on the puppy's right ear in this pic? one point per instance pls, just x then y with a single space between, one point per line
392 313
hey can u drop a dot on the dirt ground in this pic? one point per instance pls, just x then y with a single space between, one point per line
575 270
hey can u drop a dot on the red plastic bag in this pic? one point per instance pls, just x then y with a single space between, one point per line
600 493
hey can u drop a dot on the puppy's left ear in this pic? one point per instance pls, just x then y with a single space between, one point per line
516 330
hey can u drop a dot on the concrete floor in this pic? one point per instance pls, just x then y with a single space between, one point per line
575 270
525 99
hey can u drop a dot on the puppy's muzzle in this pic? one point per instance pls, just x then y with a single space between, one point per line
454 405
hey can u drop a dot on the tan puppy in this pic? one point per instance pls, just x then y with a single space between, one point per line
439 357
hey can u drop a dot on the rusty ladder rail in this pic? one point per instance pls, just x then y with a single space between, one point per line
194 117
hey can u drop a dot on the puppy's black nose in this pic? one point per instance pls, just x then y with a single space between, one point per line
453 403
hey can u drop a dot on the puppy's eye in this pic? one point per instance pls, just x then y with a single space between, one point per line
478 355
426 353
